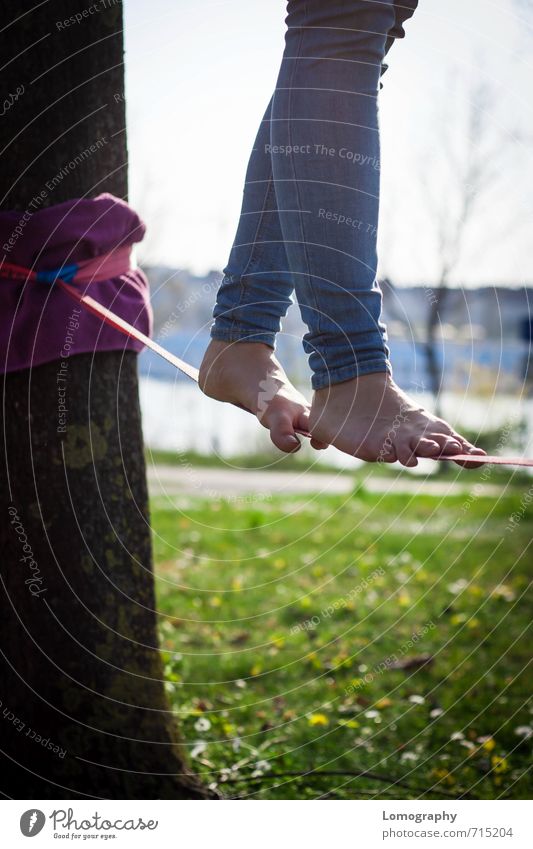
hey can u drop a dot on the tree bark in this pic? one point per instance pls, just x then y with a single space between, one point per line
83 709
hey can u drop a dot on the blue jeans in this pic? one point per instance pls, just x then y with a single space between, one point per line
310 211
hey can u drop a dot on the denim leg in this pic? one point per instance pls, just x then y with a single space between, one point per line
257 286
326 163
256 290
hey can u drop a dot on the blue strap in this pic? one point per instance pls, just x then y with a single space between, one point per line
65 273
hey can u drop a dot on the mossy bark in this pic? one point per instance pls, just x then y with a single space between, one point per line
84 711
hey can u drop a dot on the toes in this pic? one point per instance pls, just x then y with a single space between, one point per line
287 442
453 443
302 424
387 453
471 449
448 444
406 455
457 445
425 447
468 448
282 433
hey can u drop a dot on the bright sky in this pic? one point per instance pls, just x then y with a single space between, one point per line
200 73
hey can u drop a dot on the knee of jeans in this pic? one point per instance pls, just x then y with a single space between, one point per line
341 30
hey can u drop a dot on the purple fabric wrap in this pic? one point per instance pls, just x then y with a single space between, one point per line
37 321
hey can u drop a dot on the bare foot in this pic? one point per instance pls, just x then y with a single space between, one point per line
249 375
371 418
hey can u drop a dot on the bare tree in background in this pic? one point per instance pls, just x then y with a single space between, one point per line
468 164
150 204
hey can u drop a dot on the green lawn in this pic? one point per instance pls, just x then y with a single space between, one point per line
379 634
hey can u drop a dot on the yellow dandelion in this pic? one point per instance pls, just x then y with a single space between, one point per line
442 775
349 723
318 719
499 764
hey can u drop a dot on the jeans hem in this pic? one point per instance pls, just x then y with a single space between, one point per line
322 380
244 336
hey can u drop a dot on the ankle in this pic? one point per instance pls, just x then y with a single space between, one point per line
230 370
376 381
225 349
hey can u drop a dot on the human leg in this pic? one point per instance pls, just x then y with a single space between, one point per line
239 365
325 113
311 206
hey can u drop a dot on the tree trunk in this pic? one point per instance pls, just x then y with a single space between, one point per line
83 710
434 369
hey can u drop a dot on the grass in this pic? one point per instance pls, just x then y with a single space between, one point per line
274 460
381 635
